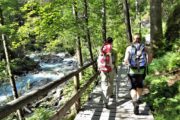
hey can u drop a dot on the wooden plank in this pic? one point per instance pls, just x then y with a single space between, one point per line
122 114
119 109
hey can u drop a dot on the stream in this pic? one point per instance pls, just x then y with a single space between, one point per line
52 67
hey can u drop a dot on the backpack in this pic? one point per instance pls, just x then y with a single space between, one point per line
138 57
104 61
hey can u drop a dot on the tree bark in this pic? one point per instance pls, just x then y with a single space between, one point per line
11 78
127 20
78 41
138 14
156 24
104 20
87 29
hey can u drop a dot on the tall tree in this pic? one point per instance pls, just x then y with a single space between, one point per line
78 40
127 20
104 20
78 53
156 23
11 77
87 28
138 14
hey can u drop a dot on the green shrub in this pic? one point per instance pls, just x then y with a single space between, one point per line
3 73
41 114
168 62
164 99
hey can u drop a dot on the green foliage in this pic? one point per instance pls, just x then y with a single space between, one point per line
41 114
168 62
3 73
88 73
169 6
164 98
172 31
175 45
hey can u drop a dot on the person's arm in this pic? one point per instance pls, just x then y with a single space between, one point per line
126 61
149 55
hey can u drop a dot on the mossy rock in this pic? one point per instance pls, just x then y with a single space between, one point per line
20 66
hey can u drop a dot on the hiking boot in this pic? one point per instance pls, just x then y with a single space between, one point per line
112 96
136 108
105 105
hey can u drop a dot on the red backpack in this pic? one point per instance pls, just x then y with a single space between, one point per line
104 60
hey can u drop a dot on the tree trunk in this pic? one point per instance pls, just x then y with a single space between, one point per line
87 29
78 41
138 14
11 78
127 21
104 20
156 24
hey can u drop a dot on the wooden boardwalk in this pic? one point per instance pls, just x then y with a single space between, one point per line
120 106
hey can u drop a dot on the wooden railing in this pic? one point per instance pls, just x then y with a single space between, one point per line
33 95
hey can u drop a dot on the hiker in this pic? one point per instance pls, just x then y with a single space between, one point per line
107 67
137 57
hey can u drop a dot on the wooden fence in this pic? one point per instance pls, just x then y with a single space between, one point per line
33 95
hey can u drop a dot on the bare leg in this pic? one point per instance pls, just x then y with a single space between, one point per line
139 92
133 94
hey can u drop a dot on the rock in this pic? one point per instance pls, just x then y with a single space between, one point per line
51 58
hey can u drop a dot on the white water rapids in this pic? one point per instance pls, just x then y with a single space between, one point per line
49 71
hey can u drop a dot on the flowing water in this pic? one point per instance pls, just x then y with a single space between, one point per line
49 70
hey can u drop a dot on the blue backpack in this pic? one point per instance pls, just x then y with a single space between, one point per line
137 57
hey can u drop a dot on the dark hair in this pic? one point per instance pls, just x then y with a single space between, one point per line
109 40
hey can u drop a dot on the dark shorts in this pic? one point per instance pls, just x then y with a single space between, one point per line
136 80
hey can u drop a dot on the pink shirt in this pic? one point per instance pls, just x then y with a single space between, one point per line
107 48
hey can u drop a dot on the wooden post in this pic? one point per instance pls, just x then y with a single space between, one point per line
76 88
11 77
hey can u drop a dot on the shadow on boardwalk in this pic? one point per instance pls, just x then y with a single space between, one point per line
120 106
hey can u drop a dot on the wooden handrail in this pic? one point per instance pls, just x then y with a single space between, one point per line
60 114
33 95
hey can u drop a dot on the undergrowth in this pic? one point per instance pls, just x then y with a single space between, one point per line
164 98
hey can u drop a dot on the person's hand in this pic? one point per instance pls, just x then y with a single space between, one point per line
125 63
